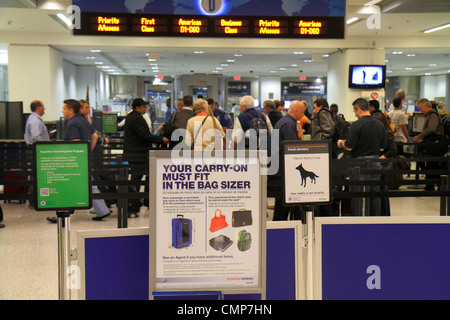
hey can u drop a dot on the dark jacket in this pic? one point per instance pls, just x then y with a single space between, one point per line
274 116
137 135
180 118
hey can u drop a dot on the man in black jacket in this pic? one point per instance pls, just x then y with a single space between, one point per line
138 140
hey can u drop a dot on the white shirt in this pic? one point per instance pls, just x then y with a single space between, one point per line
398 118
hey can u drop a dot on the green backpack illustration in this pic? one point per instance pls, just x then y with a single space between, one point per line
244 240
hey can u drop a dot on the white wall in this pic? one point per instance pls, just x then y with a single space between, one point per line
70 80
434 86
269 85
337 79
36 73
4 83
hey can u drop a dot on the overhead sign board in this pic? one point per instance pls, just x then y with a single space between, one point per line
213 18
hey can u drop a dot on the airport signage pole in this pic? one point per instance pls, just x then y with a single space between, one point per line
307 183
62 183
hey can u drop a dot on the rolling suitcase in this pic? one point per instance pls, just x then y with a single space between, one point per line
181 232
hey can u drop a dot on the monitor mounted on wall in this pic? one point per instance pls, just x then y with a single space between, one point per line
367 76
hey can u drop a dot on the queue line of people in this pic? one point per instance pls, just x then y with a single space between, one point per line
374 135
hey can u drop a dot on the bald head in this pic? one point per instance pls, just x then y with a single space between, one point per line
297 109
38 107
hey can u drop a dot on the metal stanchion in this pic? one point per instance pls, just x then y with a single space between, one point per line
443 202
310 254
63 223
356 173
366 189
122 203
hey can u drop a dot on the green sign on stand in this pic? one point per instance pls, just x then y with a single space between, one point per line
62 175
109 123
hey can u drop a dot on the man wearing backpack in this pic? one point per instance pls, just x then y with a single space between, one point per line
323 126
250 118
432 141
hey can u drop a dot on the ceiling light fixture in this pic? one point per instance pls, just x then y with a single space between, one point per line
371 3
64 19
352 20
437 28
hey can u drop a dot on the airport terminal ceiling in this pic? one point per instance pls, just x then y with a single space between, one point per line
409 51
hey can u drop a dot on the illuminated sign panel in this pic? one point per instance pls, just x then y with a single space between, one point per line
214 18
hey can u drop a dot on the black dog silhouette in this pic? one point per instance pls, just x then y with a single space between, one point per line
305 174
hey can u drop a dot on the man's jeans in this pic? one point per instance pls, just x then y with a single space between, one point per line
375 203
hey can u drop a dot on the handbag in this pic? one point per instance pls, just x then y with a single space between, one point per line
168 127
218 222
241 218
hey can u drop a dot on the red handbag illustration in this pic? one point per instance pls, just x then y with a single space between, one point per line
218 222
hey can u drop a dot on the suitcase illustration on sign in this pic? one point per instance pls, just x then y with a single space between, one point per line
241 218
244 240
181 232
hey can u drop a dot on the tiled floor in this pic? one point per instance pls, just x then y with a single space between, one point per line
28 244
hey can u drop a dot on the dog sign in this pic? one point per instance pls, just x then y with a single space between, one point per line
307 172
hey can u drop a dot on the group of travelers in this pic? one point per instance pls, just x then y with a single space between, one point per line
374 135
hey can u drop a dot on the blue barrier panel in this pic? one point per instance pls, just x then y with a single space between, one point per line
280 284
385 261
117 268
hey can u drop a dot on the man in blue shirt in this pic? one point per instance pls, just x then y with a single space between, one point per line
78 129
224 118
35 129
287 127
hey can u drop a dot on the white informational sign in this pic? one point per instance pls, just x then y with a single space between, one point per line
307 172
208 224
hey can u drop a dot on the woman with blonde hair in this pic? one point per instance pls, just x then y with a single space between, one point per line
204 129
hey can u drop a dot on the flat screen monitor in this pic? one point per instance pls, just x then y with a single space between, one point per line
287 103
367 76
418 121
